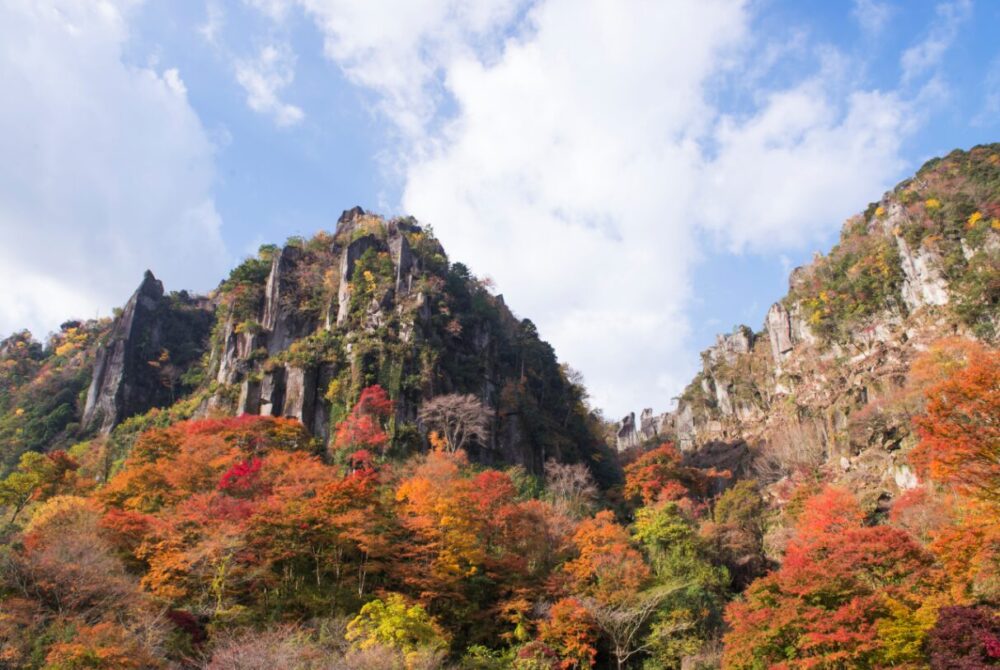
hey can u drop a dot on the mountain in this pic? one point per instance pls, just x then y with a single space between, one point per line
351 455
818 384
300 331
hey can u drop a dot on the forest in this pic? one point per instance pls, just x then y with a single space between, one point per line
238 543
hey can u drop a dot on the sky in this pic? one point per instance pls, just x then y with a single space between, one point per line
635 176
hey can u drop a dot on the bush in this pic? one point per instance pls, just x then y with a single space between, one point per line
964 638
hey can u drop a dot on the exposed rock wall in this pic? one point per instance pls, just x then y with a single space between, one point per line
418 331
151 343
801 400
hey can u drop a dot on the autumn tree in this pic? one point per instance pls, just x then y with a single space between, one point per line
960 429
459 419
396 623
36 477
964 638
607 567
571 631
660 474
839 584
364 426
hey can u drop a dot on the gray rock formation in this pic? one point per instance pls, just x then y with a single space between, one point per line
354 251
779 330
281 319
729 347
272 392
151 343
626 436
629 434
923 283
300 394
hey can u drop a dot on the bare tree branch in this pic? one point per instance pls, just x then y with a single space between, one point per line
459 419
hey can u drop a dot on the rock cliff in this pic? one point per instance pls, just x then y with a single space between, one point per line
812 387
299 331
140 362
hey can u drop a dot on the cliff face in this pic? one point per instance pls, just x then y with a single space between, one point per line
812 387
301 330
139 365
378 302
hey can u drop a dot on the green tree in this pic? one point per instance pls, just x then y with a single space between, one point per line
691 611
21 486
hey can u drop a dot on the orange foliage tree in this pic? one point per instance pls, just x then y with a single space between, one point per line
363 427
660 474
571 632
607 567
960 429
840 586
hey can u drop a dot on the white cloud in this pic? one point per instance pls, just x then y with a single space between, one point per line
927 54
263 78
399 49
800 164
106 172
580 155
871 15
215 18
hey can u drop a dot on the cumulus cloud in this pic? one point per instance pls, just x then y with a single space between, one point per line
106 172
576 172
576 151
263 78
399 50
782 177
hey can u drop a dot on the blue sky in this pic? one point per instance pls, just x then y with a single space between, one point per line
635 176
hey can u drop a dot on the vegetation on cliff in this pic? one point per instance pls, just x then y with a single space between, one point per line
368 462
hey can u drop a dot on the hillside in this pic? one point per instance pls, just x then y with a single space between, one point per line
351 455
820 383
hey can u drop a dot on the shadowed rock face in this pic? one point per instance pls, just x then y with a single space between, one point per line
151 344
377 302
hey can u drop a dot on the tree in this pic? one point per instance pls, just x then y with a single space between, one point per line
36 476
394 622
740 517
607 568
824 607
103 645
363 427
691 612
960 430
571 487
436 507
459 419
660 474
623 621
570 630
964 638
